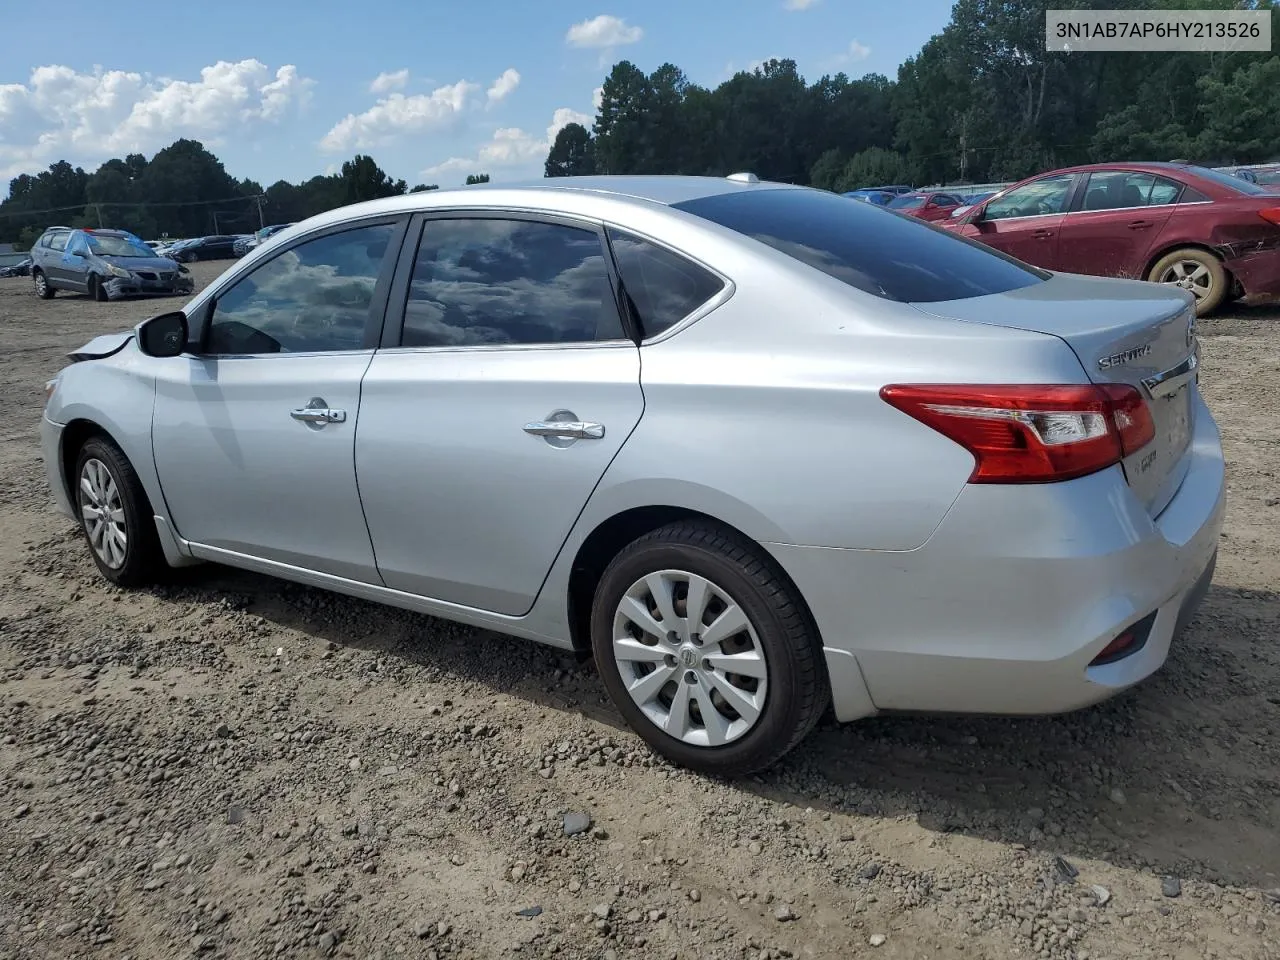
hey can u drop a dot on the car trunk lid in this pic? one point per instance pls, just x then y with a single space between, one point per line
1122 332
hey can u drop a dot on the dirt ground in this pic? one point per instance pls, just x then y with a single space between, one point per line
233 766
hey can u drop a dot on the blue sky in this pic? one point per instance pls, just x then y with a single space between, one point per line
289 88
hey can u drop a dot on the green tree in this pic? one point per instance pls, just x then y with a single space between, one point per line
474 178
871 168
572 154
424 187
363 179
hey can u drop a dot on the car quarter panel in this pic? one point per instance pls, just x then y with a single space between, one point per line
773 400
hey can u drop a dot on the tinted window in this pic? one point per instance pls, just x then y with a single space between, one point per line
1227 180
882 253
664 287
1192 195
1036 199
1121 189
905 203
312 297
491 281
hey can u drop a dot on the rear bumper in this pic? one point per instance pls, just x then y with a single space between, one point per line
1017 591
1258 272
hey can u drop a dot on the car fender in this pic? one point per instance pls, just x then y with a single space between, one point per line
116 395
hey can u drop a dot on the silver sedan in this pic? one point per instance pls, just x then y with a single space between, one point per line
763 451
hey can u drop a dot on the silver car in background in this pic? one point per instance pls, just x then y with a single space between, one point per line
761 450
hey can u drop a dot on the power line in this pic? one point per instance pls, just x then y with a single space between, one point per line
130 203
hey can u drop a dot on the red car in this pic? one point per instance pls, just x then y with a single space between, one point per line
1208 232
926 206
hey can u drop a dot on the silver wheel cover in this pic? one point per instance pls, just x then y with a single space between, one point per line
690 658
1189 275
102 511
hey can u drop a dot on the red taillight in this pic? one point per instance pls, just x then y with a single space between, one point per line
1032 433
1271 215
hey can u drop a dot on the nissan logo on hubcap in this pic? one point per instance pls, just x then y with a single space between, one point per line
688 657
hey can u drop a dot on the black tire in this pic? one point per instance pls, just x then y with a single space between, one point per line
191 258
41 284
96 290
798 690
1219 283
143 559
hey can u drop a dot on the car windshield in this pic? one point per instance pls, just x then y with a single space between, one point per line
881 253
1227 180
905 202
105 246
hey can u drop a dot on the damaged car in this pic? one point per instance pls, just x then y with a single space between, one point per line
105 264
1201 230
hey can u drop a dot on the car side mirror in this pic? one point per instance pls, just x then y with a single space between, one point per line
163 336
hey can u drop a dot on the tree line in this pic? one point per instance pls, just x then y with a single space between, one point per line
982 100
182 191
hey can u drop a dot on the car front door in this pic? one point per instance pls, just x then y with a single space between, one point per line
507 389
254 434
1026 221
51 260
1114 221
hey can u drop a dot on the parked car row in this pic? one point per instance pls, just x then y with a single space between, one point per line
245 244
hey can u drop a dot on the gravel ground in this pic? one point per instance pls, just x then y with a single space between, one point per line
233 766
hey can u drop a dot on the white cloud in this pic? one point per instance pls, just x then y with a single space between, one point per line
597 97
603 32
60 113
503 86
386 82
856 52
800 4
397 114
510 147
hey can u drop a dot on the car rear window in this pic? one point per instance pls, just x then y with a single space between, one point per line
1227 180
890 255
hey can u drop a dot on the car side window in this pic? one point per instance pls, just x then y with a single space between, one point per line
317 296
1192 195
663 286
59 241
487 281
1123 190
1042 197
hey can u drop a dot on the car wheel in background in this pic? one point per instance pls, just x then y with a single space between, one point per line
115 515
192 257
43 290
1197 271
96 290
706 649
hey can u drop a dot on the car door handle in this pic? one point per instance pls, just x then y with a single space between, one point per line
1042 234
1139 224
566 429
318 415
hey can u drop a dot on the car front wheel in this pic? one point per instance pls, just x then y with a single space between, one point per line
116 516
41 283
706 649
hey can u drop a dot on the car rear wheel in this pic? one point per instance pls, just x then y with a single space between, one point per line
1197 271
116 516
43 290
706 649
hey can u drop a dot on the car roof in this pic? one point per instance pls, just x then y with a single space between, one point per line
551 193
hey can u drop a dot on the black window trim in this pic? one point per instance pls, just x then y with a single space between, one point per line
199 323
721 296
398 294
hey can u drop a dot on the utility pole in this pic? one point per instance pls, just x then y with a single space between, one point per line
215 223
261 222
98 207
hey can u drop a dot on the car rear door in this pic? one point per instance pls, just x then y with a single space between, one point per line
254 432
1115 219
1026 221
505 390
